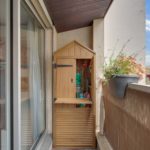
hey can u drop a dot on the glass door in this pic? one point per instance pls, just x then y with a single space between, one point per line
32 79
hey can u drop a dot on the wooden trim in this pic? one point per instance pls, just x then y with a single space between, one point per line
66 57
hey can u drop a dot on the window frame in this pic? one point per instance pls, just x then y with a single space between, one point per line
16 63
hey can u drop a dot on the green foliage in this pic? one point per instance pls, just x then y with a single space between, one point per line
120 66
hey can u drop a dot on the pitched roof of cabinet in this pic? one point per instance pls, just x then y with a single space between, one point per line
74 50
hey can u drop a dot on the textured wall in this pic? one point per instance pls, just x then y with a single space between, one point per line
127 122
82 35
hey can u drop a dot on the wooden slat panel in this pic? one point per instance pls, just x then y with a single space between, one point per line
70 50
74 127
74 50
63 52
81 52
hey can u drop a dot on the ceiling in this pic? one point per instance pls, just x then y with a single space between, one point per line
3 13
72 14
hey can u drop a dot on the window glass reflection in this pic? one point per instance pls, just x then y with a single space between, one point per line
4 75
32 79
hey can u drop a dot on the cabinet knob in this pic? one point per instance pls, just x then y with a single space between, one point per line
71 80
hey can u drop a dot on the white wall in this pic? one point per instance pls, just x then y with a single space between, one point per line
98 47
123 26
125 23
83 35
48 75
98 43
55 34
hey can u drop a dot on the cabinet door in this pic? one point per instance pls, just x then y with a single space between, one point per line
65 78
93 87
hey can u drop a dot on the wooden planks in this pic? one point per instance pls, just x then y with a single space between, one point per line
74 127
81 52
74 50
72 101
71 14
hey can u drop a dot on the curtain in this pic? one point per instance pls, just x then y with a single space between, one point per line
35 79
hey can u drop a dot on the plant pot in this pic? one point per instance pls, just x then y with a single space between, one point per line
119 83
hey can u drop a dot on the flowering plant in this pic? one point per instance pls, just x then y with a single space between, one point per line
123 65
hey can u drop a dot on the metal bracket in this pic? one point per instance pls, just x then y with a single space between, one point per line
61 65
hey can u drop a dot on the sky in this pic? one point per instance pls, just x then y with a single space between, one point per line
147 32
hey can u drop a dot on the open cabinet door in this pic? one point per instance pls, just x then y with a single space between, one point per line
93 85
65 78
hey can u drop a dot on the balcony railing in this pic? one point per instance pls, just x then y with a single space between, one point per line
127 121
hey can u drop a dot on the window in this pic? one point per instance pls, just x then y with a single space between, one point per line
4 75
32 79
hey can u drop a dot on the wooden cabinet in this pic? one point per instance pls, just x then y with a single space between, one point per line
74 105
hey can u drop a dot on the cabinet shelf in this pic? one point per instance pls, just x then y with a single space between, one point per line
73 101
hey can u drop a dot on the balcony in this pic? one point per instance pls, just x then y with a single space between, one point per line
44 46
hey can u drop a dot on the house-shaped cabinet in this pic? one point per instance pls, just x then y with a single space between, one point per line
74 92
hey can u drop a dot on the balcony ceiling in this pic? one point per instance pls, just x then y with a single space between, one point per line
72 14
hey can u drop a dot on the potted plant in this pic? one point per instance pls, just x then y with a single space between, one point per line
121 71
